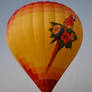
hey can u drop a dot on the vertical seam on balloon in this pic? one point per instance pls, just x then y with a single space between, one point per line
76 45
64 48
25 41
66 53
33 35
44 33
14 34
45 40
73 49
23 29
55 21
34 41
53 5
23 35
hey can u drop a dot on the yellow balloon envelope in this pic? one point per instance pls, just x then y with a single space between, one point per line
44 37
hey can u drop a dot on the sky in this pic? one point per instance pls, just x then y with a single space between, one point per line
78 76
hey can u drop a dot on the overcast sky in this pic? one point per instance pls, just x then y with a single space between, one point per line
77 78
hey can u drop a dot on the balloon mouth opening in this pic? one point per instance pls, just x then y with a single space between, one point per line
46 85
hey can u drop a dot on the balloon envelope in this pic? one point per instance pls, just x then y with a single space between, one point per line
44 37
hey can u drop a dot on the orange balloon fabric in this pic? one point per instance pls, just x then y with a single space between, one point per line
44 37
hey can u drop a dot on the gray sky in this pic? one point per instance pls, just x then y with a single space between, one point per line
77 78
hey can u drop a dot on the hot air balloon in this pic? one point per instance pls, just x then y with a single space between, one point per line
44 37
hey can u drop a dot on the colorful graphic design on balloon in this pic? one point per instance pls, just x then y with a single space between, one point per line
28 38
63 34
